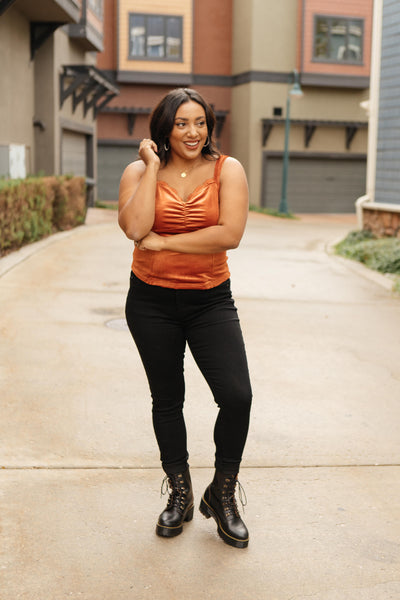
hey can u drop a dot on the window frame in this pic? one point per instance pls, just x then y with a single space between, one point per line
97 8
147 58
347 19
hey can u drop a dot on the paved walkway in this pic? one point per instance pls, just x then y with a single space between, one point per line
80 478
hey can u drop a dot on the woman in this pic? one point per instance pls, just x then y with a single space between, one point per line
185 205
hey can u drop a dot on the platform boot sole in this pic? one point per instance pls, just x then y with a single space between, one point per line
165 531
208 512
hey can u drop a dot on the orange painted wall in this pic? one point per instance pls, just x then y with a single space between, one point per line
344 8
115 126
213 37
212 55
108 58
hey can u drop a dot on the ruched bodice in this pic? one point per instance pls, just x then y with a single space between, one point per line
174 215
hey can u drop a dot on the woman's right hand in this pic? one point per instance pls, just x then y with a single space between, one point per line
147 152
137 192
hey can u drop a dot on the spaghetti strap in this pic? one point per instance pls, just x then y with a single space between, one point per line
218 166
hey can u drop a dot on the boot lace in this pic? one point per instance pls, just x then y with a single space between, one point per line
175 485
228 499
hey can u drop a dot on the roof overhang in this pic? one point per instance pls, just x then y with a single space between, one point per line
132 112
86 84
310 125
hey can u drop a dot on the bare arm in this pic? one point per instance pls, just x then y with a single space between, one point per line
137 191
234 204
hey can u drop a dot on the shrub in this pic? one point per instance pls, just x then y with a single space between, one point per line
34 207
381 254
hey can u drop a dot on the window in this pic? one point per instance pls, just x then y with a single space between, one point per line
155 37
97 7
338 40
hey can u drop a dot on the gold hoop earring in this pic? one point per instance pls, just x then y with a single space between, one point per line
165 147
208 141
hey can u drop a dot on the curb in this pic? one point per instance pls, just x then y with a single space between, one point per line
16 257
385 281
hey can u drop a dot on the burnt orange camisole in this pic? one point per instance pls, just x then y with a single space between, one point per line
177 269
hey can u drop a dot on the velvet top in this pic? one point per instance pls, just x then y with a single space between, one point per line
172 216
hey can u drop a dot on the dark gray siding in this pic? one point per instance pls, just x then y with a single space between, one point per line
387 187
111 162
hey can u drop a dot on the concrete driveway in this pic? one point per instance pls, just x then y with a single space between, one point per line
80 477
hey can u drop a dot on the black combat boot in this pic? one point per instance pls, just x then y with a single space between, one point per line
179 507
219 502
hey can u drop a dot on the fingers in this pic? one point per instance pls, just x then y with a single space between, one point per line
147 144
147 152
139 245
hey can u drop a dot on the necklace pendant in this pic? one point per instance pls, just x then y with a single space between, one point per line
183 174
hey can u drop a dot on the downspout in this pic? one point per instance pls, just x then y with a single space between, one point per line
373 107
84 12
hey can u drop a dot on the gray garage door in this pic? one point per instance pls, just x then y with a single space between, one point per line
73 153
315 185
111 161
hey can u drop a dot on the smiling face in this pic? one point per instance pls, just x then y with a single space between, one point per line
189 132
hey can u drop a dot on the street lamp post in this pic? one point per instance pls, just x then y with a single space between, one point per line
295 91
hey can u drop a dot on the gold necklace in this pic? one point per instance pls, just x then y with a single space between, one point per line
187 172
184 174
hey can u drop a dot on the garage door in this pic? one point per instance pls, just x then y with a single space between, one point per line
73 153
111 161
315 185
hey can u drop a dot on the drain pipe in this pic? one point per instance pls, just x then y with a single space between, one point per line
372 106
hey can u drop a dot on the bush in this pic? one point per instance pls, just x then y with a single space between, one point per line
381 254
33 208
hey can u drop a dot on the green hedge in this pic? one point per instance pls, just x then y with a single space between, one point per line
33 208
381 254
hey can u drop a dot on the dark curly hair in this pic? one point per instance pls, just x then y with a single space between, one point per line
163 118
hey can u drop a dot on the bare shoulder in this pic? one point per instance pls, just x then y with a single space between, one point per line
135 169
232 168
130 180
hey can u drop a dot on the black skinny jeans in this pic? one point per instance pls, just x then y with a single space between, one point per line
161 321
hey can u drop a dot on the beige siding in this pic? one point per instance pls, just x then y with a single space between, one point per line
17 82
58 50
46 108
242 31
255 101
181 8
240 132
265 35
275 23
335 104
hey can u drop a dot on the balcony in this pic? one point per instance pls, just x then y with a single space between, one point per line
46 11
89 38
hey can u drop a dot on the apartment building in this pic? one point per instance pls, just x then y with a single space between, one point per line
80 78
242 54
150 48
329 44
51 88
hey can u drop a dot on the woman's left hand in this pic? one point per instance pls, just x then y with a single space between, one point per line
152 241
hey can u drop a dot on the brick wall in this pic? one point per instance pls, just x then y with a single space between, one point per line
382 223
